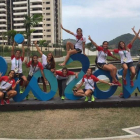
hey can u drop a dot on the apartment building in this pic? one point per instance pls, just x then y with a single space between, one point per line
48 29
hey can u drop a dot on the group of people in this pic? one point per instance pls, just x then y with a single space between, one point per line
8 84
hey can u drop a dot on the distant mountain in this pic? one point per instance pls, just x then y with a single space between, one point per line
70 40
114 43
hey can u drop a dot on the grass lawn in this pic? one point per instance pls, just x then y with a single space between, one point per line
63 124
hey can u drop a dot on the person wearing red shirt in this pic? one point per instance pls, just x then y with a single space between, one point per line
48 62
16 65
62 77
89 81
103 52
79 46
7 87
126 59
34 66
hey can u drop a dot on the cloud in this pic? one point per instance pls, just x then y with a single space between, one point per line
102 9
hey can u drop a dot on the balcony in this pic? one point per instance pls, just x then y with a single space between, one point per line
3 25
3 20
19 2
34 39
22 13
36 6
18 24
3 15
2 9
3 30
18 19
34 34
36 12
35 1
20 8
2 4
20 29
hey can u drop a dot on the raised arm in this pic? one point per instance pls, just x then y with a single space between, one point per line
133 29
13 48
102 81
79 85
23 50
38 49
67 30
115 57
136 36
92 41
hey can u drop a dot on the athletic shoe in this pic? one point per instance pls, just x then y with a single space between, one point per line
35 98
131 83
27 97
21 91
86 99
7 101
121 95
124 82
62 97
117 83
2 102
92 98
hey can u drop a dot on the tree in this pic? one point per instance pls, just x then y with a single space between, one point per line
31 21
11 34
43 43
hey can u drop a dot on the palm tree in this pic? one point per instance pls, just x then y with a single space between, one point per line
31 21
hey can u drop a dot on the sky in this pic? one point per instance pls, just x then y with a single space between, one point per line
103 20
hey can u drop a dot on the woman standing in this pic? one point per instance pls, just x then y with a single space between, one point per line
103 52
16 64
89 81
48 62
34 66
62 77
126 59
7 87
77 48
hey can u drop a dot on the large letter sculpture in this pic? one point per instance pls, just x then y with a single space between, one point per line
3 66
85 65
104 94
127 89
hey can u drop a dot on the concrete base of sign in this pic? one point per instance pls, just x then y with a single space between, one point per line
57 103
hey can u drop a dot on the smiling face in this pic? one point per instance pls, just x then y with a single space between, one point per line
17 54
49 56
11 74
35 59
79 32
89 72
105 44
122 44
64 72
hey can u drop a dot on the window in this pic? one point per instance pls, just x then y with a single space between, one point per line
47 8
47 2
48 19
48 35
47 13
48 24
48 30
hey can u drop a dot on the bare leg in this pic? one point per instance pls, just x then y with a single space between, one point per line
88 93
132 69
125 68
110 68
1 95
69 53
79 93
44 85
24 81
11 94
69 46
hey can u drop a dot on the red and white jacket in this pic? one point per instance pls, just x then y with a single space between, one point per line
89 81
34 68
124 54
5 83
16 63
60 76
102 54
